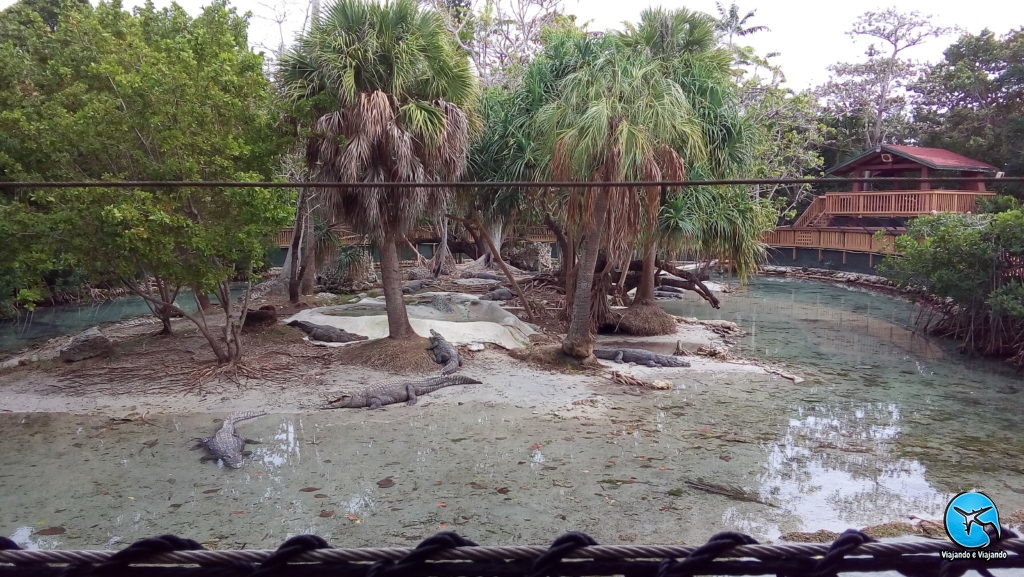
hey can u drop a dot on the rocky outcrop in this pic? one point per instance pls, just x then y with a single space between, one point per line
86 345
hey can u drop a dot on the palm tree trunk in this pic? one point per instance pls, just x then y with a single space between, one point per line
293 252
307 273
579 342
391 277
645 290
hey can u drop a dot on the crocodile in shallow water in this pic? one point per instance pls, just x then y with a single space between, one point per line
380 394
226 444
444 353
640 357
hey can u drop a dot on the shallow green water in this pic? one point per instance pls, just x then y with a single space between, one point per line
944 423
49 322
886 425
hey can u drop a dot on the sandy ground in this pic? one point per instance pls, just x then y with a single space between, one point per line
51 386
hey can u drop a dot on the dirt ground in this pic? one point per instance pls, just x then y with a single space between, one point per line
283 372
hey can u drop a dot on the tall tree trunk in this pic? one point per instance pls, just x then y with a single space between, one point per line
391 277
293 253
579 342
563 246
645 290
442 255
307 272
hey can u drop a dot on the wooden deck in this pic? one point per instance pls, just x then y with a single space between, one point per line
901 203
831 239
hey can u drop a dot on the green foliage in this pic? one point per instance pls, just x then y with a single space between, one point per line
973 101
706 222
154 95
973 264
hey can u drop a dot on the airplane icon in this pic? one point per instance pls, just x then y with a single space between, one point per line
972 519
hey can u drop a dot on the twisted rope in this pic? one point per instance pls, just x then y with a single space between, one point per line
724 554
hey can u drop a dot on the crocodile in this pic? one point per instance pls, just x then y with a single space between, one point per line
226 444
640 357
388 393
444 353
498 294
326 333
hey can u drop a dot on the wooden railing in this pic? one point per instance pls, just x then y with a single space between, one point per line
901 203
830 238
810 216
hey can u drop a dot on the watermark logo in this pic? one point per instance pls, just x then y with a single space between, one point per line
972 521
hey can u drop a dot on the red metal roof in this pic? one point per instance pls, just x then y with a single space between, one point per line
936 158
940 157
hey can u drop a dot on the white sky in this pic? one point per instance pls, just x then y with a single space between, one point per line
808 34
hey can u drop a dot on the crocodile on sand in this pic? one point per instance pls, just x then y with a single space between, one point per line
640 357
444 353
226 444
388 393
326 333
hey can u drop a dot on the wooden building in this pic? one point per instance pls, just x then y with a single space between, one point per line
848 221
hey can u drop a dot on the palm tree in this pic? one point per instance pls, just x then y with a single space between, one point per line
731 24
683 45
389 92
618 118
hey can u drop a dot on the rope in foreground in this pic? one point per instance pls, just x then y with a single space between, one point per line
573 554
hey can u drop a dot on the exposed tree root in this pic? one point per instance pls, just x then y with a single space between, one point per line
646 320
147 375
387 354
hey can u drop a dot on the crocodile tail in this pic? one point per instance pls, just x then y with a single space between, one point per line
459 380
246 415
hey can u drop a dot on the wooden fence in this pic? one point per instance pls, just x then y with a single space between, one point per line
831 239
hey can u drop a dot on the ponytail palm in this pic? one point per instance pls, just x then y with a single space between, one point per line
387 93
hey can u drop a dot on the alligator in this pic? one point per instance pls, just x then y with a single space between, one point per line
498 294
483 275
417 285
444 353
326 333
388 393
640 357
226 444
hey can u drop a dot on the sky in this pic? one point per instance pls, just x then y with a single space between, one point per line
809 34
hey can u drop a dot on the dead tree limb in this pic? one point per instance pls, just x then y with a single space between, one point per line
501 262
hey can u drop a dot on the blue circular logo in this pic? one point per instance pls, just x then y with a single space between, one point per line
971 518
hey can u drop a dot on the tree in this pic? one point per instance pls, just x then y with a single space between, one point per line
872 92
730 24
500 36
972 264
389 95
973 101
156 95
619 119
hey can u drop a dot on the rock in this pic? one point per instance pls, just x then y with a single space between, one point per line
87 344
475 347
